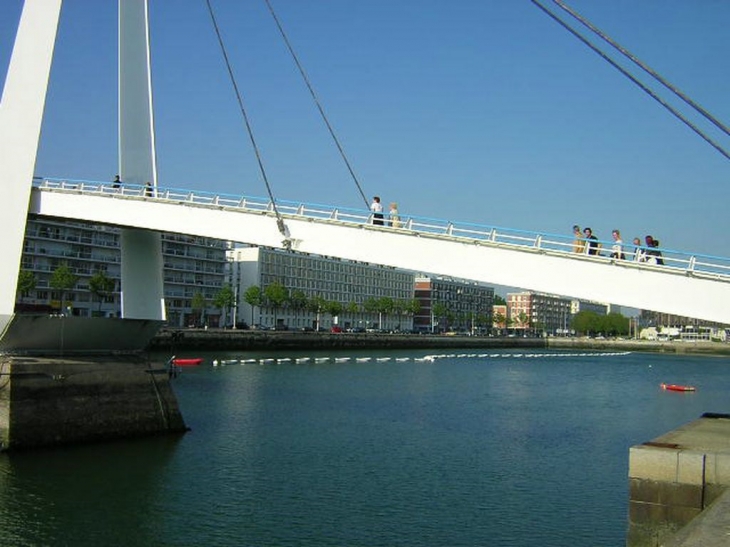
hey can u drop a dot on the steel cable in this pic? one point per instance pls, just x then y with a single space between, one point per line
316 102
646 68
633 78
279 219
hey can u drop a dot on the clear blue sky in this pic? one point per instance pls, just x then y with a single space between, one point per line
475 110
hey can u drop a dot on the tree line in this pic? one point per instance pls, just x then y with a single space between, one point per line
277 297
63 280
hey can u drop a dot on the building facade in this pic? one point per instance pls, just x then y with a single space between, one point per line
355 286
538 313
577 306
193 271
452 305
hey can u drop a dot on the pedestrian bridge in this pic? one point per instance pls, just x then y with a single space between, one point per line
687 284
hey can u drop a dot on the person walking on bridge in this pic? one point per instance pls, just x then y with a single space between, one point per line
653 254
592 245
639 251
377 208
393 216
617 250
579 244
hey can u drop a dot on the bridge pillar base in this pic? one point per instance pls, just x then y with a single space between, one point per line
673 478
47 401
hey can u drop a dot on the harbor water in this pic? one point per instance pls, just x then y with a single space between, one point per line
369 448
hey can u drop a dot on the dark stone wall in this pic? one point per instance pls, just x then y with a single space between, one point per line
171 340
221 339
50 401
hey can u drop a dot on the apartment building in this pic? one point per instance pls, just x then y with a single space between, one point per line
448 304
192 266
351 284
539 313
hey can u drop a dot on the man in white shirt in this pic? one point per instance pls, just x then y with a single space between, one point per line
377 208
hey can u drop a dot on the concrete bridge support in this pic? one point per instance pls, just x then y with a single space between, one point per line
71 388
142 283
66 379
50 401
675 477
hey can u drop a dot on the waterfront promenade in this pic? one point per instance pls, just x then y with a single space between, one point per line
226 339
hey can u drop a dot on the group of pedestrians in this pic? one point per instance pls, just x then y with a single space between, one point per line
379 218
585 242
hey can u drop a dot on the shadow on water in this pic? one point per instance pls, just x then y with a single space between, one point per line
101 494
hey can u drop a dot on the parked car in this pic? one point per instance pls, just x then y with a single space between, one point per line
336 329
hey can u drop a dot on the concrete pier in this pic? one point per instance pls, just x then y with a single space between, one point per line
72 379
674 478
49 401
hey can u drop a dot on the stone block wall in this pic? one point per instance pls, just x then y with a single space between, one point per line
49 401
675 477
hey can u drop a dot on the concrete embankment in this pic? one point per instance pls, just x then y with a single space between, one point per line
695 347
678 486
47 401
220 339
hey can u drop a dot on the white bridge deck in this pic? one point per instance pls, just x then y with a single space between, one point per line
687 284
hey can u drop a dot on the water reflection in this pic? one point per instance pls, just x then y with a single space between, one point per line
86 495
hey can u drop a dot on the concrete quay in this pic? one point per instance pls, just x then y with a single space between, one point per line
228 339
698 347
678 487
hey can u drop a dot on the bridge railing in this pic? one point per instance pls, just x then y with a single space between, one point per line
692 263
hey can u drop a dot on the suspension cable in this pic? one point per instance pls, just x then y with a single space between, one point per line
279 219
643 66
630 76
316 101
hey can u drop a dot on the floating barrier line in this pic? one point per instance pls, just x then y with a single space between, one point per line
425 358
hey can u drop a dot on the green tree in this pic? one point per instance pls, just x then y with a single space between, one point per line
276 296
26 283
385 307
63 280
587 323
254 297
615 324
406 308
198 304
224 300
523 319
101 286
500 321
317 305
334 308
381 306
439 311
298 301
499 301
413 306
483 321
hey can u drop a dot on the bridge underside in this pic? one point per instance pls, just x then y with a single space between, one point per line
59 335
